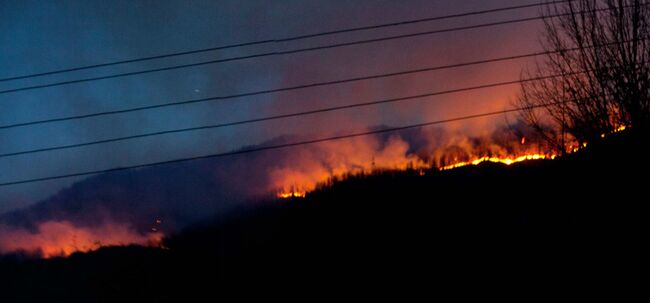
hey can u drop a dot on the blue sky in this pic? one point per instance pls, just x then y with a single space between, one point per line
38 36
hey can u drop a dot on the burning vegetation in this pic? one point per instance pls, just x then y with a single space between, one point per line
503 146
294 174
506 161
62 238
300 191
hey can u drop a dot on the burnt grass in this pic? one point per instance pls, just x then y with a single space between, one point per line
582 215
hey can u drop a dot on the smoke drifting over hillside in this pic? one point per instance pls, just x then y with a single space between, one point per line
138 206
62 238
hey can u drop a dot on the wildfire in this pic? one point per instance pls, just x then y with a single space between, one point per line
320 164
616 130
63 238
292 194
306 180
294 179
506 160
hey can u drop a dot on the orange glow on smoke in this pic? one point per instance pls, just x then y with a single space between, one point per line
62 238
315 165
394 156
311 167
301 190
293 192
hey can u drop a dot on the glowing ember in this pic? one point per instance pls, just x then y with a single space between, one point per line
292 194
616 130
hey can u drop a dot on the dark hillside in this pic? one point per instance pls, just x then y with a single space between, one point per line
584 214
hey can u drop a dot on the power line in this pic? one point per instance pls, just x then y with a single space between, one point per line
269 91
281 40
272 147
282 116
278 53
290 88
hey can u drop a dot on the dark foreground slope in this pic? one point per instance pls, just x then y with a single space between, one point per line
584 215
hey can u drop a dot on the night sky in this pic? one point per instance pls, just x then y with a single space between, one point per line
37 36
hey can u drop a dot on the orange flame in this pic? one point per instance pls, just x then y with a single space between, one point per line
318 164
616 130
506 160
62 238
394 157
292 194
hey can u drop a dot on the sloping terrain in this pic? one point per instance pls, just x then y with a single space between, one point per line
583 214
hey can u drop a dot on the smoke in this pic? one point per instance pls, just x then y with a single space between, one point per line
184 193
125 207
311 165
62 238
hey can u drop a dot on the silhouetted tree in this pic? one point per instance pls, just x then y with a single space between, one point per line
600 50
